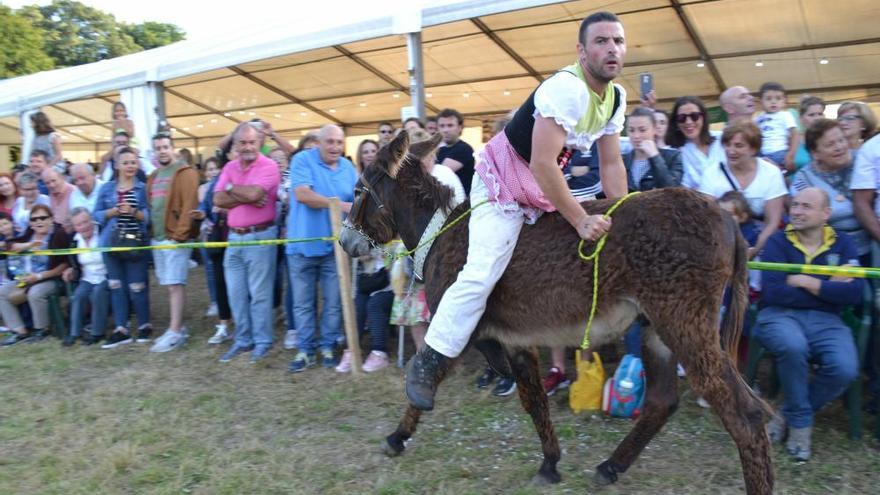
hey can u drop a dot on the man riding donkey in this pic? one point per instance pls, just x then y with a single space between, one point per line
519 173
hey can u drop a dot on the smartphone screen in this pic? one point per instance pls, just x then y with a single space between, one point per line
646 83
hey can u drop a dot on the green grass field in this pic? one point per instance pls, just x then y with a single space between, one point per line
126 421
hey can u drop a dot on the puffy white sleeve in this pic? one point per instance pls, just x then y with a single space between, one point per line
564 98
616 123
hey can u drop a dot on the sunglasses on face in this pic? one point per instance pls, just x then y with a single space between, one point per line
386 132
847 118
39 219
683 117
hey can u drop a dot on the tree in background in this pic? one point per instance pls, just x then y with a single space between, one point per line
154 34
21 45
66 33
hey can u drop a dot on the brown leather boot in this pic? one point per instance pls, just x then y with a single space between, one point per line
425 370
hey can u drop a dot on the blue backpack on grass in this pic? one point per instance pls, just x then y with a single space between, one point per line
624 393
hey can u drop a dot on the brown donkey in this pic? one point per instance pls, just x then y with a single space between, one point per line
668 256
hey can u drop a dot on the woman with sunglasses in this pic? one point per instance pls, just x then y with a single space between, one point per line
122 206
36 274
857 121
689 133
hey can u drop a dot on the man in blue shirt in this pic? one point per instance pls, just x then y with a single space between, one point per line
316 175
800 318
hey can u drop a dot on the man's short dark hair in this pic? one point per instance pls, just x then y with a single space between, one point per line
416 120
40 153
389 124
603 16
431 119
451 112
121 132
770 86
644 112
163 135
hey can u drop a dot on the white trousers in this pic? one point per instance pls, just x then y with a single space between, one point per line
492 238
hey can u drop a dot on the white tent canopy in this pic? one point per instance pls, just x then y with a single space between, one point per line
480 57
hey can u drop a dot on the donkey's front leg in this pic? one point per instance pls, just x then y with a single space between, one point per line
524 363
395 443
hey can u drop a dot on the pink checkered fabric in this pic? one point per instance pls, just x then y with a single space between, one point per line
510 182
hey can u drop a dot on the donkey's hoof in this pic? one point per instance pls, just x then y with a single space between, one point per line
544 479
605 474
392 447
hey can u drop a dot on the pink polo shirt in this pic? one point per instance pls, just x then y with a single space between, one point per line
264 173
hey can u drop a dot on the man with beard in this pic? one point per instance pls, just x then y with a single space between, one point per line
519 173
172 192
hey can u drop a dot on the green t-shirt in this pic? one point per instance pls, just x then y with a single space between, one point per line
158 198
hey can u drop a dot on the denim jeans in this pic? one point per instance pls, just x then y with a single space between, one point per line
305 275
96 296
374 316
250 274
795 336
288 294
127 280
632 339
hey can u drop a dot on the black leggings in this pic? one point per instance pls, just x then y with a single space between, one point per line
223 310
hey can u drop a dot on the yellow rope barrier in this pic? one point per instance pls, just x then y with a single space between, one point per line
594 257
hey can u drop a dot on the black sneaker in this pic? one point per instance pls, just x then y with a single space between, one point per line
117 339
68 341
90 339
505 387
37 335
486 378
144 334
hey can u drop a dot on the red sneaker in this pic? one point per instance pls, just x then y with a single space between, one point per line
555 381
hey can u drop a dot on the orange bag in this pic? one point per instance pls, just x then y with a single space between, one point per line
586 391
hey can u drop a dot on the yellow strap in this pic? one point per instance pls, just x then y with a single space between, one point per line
594 257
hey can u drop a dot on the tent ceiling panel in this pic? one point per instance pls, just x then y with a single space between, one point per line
670 80
829 22
84 133
204 76
9 135
487 96
573 11
95 109
230 93
62 119
656 35
385 42
727 27
10 121
289 117
547 49
290 60
470 57
450 30
381 106
201 125
324 79
175 105
848 66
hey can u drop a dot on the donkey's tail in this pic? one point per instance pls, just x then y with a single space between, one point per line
732 325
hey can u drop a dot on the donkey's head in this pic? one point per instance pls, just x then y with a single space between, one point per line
381 194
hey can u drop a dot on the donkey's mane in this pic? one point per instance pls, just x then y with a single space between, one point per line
422 188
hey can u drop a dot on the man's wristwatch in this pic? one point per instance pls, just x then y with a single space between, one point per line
228 187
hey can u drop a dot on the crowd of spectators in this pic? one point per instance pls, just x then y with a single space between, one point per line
803 188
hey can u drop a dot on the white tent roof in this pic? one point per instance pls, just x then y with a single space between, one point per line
480 57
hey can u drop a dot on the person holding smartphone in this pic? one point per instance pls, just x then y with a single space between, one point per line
122 205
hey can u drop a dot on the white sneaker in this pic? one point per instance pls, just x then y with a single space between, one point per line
291 339
193 264
220 335
212 310
170 340
703 403
344 365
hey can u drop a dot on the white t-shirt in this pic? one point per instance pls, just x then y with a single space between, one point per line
775 128
448 178
77 198
567 99
866 171
695 161
91 263
768 184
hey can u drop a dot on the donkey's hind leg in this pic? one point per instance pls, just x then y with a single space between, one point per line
524 363
395 443
661 400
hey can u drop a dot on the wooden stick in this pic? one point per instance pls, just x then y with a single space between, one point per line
342 269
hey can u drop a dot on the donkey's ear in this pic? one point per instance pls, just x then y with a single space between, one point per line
396 152
421 149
